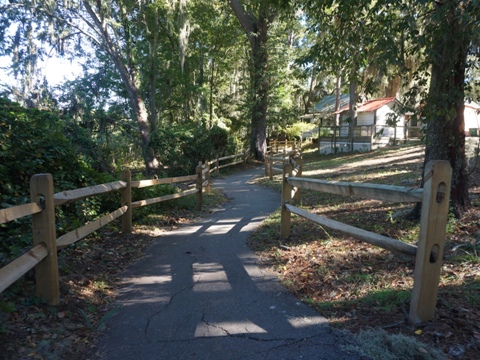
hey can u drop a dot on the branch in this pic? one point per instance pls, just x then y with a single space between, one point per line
61 19
247 20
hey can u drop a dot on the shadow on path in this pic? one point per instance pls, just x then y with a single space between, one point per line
199 294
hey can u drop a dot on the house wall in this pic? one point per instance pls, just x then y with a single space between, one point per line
326 147
472 119
365 118
382 117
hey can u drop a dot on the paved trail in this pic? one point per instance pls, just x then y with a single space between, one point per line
198 294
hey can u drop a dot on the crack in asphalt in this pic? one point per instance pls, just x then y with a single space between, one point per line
289 342
239 336
167 305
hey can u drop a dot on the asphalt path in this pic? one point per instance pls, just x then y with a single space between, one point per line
198 293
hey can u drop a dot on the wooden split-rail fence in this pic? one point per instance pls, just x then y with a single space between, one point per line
428 252
43 255
278 153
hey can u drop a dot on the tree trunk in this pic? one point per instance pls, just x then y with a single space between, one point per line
338 85
131 84
352 112
260 86
444 110
256 29
211 93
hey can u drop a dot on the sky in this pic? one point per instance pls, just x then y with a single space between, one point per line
56 70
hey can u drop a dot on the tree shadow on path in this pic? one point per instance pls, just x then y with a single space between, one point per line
199 294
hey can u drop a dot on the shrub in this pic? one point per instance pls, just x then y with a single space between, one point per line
180 148
32 142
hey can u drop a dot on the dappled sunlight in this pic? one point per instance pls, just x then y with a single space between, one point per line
210 277
368 165
229 221
397 157
218 229
250 226
306 321
150 280
228 328
187 230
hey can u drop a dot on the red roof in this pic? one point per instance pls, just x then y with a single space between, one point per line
371 105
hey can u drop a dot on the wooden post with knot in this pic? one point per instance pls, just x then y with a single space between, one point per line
286 199
433 223
297 191
207 176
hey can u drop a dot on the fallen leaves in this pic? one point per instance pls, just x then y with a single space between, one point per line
358 286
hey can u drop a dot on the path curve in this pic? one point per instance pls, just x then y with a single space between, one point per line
199 294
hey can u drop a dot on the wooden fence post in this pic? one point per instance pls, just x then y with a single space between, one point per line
298 191
428 263
126 199
270 164
199 185
207 176
218 166
286 198
266 165
43 223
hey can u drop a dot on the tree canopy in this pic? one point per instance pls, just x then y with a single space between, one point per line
155 68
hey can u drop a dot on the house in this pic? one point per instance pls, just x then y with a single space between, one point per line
472 119
378 122
321 113
471 114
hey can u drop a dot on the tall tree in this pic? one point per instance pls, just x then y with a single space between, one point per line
256 26
451 27
106 24
439 36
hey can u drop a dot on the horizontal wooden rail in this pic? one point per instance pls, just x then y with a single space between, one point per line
69 196
19 211
230 164
278 156
146 183
19 267
276 169
230 157
81 232
380 192
43 256
151 201
367 236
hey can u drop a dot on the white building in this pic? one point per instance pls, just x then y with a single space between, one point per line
378 122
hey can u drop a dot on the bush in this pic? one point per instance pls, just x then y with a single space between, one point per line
32 142
180 148
296 130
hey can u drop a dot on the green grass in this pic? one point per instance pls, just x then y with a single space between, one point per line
384 300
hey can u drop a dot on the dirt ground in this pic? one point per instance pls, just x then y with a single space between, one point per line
358 286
